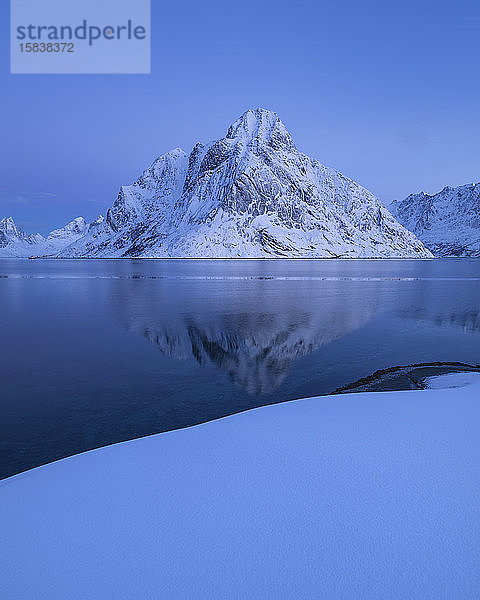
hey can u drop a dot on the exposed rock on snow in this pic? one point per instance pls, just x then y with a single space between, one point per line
415 377
249 194
448 223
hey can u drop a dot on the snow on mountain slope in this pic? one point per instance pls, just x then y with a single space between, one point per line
249 194
76 227
448 223
138 210
14 242
59 238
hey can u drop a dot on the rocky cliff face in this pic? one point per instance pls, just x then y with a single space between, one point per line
448 223
249 194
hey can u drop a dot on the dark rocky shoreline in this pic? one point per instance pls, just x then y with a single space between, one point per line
405 377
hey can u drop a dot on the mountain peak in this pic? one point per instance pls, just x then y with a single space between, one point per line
8 226
247 195
7 222
262 125
250 194
76 227
175 153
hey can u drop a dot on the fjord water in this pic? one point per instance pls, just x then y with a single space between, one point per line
99 351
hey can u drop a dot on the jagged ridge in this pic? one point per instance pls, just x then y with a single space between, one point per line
14 242
249 194
448 222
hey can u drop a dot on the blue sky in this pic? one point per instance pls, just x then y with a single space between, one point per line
388 93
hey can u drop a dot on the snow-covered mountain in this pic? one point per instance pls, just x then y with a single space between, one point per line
14 242
249 194
448 223
67 234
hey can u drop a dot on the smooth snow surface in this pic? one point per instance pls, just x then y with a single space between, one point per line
452 380
359 496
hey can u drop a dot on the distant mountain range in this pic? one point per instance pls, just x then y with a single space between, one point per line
14 242
448 223
251 194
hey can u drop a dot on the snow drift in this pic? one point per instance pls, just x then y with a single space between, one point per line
370 495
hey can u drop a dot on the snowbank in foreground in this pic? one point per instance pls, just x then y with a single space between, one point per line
373 495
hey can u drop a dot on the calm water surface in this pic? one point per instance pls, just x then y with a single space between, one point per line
95 352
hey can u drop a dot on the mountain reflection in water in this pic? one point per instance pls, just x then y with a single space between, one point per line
97 352
255 331
255 347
